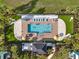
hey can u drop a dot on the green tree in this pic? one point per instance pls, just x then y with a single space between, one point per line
5 15
61 54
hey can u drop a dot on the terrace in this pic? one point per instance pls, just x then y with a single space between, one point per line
39 27
45 26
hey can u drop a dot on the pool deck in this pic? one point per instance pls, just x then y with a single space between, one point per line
58 28
61 27
53 22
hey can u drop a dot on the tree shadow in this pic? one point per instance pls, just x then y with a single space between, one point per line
40 11
19 51
26 8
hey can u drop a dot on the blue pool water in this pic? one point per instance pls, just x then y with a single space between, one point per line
39 28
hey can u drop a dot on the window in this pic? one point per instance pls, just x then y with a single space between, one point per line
74 56
46 19
33 19
43 19
39 19
36 19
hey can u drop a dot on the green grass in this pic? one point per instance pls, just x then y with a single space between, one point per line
10 34
16 17
1 2
49 5
69 24
15 3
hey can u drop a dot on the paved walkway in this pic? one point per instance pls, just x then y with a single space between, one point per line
51 55
61 30
61 26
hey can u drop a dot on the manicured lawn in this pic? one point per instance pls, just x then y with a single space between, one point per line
68 22
1 2
10 34
48 5
15 3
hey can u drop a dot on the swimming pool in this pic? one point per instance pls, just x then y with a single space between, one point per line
39 28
